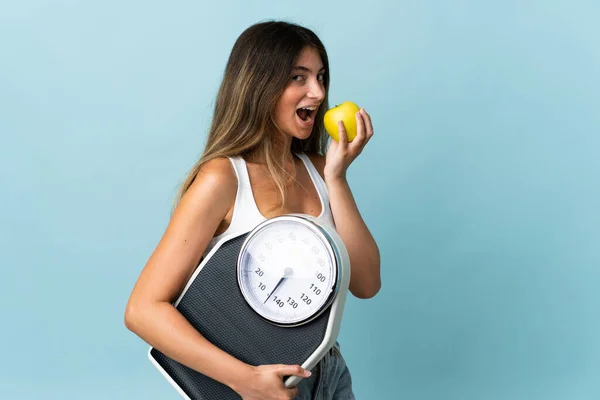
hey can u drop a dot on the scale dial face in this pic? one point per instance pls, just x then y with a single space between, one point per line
287 271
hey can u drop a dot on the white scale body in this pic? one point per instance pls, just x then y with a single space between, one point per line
274 295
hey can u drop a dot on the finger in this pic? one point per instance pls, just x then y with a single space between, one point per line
343 142
368 124
333 144
293 393
358 141
289 370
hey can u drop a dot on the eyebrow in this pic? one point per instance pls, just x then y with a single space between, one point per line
302 68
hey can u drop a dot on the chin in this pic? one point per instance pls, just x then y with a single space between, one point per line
302 135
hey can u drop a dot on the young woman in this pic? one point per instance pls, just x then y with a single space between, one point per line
263 158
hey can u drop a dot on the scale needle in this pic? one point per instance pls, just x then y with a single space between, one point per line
286 273
276 286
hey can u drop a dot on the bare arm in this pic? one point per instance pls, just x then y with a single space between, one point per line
151 315
149 312
365 280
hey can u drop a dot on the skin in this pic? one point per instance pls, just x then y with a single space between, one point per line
206 210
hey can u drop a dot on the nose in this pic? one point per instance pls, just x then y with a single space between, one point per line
316 90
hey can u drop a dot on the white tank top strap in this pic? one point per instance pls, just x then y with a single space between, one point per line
245 212
246 215
326 215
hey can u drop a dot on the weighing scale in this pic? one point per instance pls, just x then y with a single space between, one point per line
274 295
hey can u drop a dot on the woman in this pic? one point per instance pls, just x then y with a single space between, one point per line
263 158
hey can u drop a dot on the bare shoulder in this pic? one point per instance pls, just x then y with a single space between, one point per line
319 162
218 174
216 180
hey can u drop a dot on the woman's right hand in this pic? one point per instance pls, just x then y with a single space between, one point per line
265 382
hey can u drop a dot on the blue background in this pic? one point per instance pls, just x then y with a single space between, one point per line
480 185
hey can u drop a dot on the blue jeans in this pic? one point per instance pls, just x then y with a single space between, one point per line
330 379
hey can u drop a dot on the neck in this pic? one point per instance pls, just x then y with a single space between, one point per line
282 152
283 146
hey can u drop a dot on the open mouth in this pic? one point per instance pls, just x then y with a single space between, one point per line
306 114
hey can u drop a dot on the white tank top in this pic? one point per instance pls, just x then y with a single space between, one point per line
246 215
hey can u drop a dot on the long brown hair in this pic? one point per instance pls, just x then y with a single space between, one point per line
258 71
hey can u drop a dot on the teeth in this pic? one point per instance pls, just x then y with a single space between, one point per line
305 113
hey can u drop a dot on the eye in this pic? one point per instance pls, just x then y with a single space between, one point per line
321 77
298 78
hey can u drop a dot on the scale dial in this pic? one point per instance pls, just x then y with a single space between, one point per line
288 270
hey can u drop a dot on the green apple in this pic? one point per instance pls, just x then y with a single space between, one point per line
345 112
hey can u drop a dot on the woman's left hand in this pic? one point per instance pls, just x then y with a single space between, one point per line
341 154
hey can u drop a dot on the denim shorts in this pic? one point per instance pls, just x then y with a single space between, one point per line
330 379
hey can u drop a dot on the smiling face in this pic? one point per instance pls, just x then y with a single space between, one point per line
297 107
